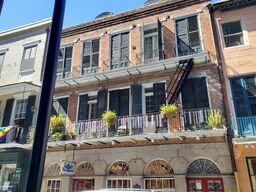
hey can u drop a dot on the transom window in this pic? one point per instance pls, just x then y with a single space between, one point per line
64 62
85 169
90 55
158 168
244 95
1 61
233 33
53 185
188 38
53 170
252 171
203 167
119 168
28 60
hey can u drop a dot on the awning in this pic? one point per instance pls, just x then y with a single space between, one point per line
18 88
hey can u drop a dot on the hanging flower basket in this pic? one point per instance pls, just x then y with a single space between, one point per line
167 111
109 117
57 123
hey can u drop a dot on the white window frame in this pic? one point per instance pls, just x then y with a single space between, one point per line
53 179
2 53
62 97
72 57
162 178
119 178
242 23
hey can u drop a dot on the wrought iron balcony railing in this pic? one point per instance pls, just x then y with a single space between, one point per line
243 126
65 75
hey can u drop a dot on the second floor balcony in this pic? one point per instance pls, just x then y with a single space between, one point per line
243 126
187 121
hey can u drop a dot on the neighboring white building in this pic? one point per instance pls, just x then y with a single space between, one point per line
22 52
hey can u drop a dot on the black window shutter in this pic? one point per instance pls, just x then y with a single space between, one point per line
101 102
53 111
114 101
136 92
7 112
83 105
200 93
64 105
160 40
159 95
188 95
29 116
124 102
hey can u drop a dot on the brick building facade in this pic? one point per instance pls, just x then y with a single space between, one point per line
126 62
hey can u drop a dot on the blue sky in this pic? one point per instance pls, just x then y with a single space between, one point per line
20 12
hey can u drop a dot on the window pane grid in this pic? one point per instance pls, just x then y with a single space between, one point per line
20 110
53 186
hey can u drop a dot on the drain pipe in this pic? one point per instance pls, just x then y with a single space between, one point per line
223 77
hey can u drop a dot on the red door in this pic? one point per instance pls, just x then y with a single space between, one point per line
83 184
205 185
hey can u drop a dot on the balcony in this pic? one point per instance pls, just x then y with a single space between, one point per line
129 127
66 75
244 126
14 138
144 63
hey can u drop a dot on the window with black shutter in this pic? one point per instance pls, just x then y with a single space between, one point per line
119 50
136 93
82 109
28 58
119 101
1 61
90 55
101 102
159 95
188 38
64 62
195 94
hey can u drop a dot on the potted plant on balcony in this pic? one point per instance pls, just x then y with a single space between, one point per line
57 125
216 120
109 118
169 111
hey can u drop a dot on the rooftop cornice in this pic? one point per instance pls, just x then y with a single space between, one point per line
127 16
25 29
228 5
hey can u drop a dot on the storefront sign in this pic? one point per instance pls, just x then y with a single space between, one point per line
67 168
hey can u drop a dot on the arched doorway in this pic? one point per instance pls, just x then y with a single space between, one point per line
53 180
159 176
84 177
118 175
203 175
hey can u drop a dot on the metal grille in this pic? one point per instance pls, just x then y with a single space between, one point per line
158 168
52 171
119 168
203 167
85 169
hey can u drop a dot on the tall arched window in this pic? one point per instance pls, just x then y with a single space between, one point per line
159 176
118 175
83 179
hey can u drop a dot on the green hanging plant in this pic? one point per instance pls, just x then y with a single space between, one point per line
57 123
109 117
216 120
168 110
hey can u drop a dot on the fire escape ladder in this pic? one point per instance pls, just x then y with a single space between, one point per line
179 77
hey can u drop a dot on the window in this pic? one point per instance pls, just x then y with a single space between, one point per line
160 184
251 162
92 107
53 185
28 60
64 62
1 61
232 33
10 174
151 42
119 183
119 101
83 185
149 101
60 106
90 56
20 111
244 95
188 38
195 94
119 50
